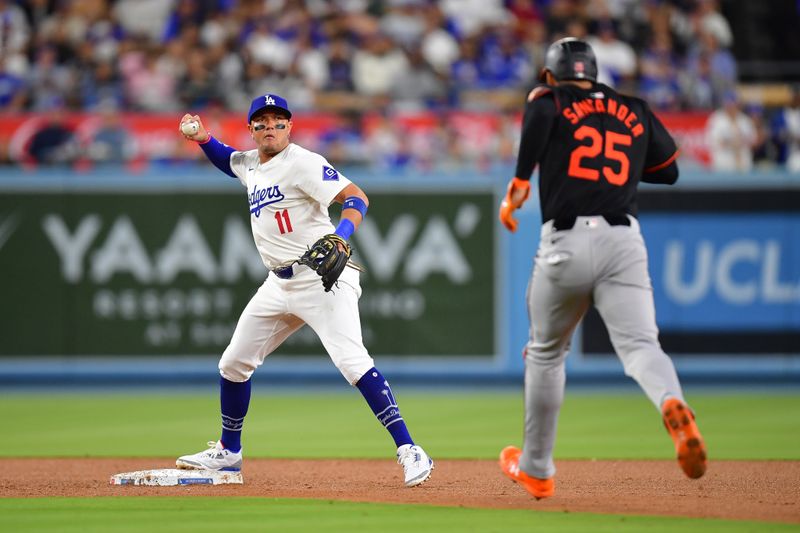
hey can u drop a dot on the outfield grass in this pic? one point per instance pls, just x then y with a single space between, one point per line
455 425
315 425
80 515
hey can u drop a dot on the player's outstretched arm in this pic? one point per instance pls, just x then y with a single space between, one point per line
192 128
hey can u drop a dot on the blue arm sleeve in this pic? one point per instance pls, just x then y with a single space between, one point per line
345 229
219 154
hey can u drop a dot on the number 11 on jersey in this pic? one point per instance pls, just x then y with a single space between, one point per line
284 224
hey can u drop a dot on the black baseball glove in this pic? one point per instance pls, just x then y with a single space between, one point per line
326 259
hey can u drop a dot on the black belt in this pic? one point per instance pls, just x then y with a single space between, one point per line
284 272
562 223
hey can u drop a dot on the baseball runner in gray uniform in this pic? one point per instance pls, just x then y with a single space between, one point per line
593 147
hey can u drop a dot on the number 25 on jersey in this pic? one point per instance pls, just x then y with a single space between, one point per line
613 140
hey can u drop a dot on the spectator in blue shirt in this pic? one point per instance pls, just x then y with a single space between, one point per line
504 62
187 14
659 74
13 90
101 86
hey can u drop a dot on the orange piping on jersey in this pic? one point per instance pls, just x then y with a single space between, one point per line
541 90
664 164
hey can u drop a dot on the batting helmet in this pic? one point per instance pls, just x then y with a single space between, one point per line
570 59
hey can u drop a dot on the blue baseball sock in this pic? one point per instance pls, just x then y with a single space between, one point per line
376 391
234 400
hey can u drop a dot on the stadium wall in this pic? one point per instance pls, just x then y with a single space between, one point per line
110 277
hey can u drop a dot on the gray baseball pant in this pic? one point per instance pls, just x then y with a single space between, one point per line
592 263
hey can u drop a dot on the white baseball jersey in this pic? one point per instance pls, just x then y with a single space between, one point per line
289 197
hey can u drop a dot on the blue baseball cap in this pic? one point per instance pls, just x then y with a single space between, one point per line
268 101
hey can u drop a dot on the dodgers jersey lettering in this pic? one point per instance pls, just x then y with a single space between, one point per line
593 146
288 199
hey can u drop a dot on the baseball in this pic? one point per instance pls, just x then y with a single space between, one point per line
190 128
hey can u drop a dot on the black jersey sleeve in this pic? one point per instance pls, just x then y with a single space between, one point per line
537 121
660 163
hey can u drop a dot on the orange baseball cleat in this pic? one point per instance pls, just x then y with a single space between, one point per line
689 445
509 464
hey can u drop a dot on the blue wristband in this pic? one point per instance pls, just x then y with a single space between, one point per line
354 202
345 229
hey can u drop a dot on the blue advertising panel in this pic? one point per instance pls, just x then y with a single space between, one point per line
734 272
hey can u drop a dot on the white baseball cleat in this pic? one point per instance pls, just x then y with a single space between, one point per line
417 466
215 458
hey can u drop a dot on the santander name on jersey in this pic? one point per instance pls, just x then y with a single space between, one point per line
578 110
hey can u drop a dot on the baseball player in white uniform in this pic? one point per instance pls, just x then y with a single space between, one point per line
289 190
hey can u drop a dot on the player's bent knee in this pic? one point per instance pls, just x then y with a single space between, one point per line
234 370
544 354
353 371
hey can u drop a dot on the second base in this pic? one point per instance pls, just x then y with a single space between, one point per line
171 476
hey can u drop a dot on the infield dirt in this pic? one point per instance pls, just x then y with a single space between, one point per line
740 490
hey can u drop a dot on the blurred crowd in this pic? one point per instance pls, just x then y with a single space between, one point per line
355 56
168 55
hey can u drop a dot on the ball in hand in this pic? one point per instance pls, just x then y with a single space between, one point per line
190 128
